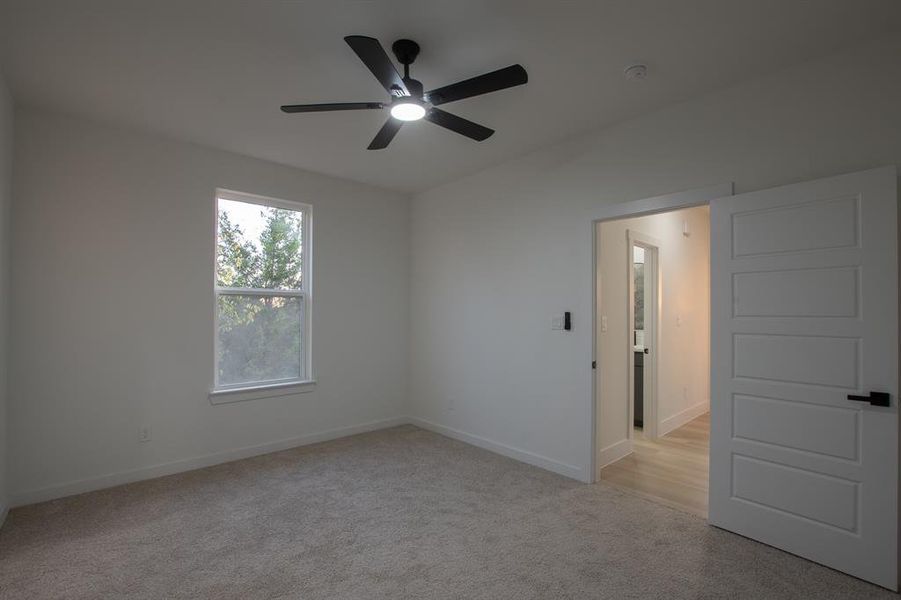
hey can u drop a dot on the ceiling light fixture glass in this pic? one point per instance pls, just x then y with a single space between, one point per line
407 110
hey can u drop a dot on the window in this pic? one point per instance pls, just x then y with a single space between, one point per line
262 292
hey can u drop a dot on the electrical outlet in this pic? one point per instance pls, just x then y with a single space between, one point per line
685 392
144 433
603 323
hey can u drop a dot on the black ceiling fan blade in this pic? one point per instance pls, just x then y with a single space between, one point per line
483 84
385 134
376 60
459 124
305 108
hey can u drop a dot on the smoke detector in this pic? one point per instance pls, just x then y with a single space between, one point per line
636 72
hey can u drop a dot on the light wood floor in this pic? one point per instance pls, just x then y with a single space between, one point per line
672 469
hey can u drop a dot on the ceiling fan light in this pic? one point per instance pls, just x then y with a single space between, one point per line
407 111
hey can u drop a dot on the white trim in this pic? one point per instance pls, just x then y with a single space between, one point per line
664 203
233 291
652 246
525 456
614 452
681 418
634 208
161 470
240 394
199 462
236 196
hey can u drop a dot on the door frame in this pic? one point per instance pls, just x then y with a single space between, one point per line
651 247
625 210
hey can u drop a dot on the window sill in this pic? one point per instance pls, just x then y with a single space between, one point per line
228 396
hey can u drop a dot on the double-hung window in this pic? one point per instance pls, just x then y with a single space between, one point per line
263 298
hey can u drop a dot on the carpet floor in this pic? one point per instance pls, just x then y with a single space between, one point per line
399 513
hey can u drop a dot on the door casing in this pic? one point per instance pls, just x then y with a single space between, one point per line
625 210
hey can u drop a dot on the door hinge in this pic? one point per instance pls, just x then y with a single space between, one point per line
594 364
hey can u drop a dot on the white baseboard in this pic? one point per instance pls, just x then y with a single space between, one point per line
525 456
189 464
681 418
106 481
614 452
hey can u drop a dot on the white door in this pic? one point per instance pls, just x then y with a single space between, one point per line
804 283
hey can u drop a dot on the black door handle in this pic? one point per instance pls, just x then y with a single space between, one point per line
647 350
875 398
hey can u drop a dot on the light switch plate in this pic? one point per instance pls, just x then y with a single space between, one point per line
557 323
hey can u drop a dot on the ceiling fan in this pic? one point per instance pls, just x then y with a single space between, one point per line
408 102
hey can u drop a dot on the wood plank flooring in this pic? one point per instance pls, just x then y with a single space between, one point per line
672 470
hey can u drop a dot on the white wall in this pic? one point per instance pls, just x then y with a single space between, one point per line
112 295
6 159
683 349
495 255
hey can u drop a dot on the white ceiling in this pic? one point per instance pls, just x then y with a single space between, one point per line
215 72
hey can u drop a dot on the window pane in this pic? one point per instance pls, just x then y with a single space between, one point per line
259 246
259 339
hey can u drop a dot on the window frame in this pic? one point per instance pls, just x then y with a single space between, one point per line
246 391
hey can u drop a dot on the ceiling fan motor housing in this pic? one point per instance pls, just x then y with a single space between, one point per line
406 51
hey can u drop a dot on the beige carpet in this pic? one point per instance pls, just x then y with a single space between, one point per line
401 513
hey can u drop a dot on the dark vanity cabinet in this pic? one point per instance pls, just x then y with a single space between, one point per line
639 389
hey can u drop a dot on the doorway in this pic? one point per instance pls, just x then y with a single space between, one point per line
804 427
653 345
643 314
